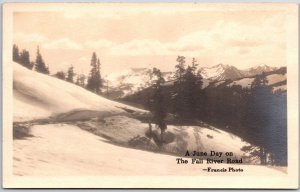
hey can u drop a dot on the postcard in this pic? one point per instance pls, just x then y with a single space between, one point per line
150 95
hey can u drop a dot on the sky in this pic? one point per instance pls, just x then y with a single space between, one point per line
153 36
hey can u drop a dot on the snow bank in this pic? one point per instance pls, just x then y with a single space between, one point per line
66 150
39 96
246 82
275 78
272 79
210 139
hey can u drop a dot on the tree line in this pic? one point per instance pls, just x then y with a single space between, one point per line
93 82
257 113
23 58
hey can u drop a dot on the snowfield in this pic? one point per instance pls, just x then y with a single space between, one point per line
39 96
213 72
132 80
246 82
272 79
66 150
88 135
275 78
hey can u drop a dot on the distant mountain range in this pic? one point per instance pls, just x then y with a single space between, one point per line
121 84
276 79
223 72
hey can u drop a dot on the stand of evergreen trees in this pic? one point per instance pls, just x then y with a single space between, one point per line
94 81
256 114
23 58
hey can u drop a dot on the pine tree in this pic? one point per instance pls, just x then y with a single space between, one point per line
70 74
24 59
99 81
40 65
180 69
178 94
77 82
259 82
94 81
191 92
258 115
60 75
16 54
158 104
194 66
80 80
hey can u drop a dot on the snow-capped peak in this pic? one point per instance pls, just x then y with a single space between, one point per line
258 70
220 72
131 80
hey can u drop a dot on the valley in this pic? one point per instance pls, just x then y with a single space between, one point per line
71 131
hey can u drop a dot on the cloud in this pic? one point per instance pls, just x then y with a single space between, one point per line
140 47
29 37
63 43
246 43
243 51
224 39
188 45
83 59
101 43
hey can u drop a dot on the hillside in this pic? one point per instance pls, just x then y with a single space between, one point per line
276 79
66 150
257 70
86 134
40 96
125 83
220 72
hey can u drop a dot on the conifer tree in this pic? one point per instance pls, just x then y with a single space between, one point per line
178 94
194 66
180 69
91 85
258 114
191 93
24 59
16 54
80 80
158 104
70 74
77 82
99 81
94 81
40 65
60 75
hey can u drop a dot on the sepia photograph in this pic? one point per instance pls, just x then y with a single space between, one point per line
98 93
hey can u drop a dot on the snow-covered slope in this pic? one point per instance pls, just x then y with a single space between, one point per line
220 72
51 153
133 76
272 79
61 149
130 81
39 96
257 70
